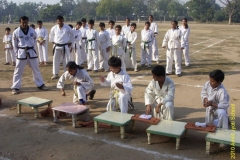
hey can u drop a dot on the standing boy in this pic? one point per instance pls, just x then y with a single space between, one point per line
92 47
8 47
104 47
77 43
216 100
24 41
121 86
119 44
83 30
126 28
174 42
147 36
61 36
160 94
42 43
154 28
130 57
111 31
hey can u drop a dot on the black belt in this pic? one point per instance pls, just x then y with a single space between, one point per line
84 37
27 48
60 45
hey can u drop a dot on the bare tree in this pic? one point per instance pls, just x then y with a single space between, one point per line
231 6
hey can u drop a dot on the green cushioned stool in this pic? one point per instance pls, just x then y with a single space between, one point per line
33 102
167 128
115 119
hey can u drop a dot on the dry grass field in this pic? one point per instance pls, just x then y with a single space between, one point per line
212 46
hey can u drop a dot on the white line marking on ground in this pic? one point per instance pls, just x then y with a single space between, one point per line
119 144
211 45
202 42
3 158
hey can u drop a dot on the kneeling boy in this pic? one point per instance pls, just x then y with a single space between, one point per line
121 86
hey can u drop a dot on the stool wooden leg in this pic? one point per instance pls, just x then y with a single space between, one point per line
36 112
122 132
50 105
55 119
149 138
133 124
19 108
74 120
185 134
177 143
208 145
96 126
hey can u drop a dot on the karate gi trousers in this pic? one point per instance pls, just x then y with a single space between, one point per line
93 61
103 59
58 55
175 54
220 114
186 55
165 112
43 52
10 55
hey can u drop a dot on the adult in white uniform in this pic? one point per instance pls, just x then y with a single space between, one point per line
126 28
42 43
24 41
83 30
160 95
185 32
104 47
77 43
92 47
81 80
71 55
154 28
8 47
216 100
147 37
62 37
119 44
121 86
111 32
174 42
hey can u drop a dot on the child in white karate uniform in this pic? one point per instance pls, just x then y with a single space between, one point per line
130 57
104 47
92 47
82 82
147 36
8 47
121 86
111 31
77 43
119 44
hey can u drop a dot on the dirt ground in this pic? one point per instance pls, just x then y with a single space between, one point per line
212 46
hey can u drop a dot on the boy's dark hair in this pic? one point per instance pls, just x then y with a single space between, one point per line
111 22
115 62
7 29
217 75
24 18
134 25
39 22
148 23
73 65
128 19
101 24
59 17
150 16
83 20
91 22
71 26
119 27
32 25
159 71
186 22
15 28
176 22
79 23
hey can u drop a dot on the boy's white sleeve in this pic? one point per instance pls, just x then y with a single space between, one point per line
170 93
223 100
15 42
182 41
204 93
46 34
71 35
108 39
107 81
165 40
3 39
156 29
51 35
87 82
134 40
149 95
62 79
127 85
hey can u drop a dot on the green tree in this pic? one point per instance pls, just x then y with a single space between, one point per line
51 12
231 7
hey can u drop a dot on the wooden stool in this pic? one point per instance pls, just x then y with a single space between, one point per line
33 102
115 119
167 128
72 109
223 136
